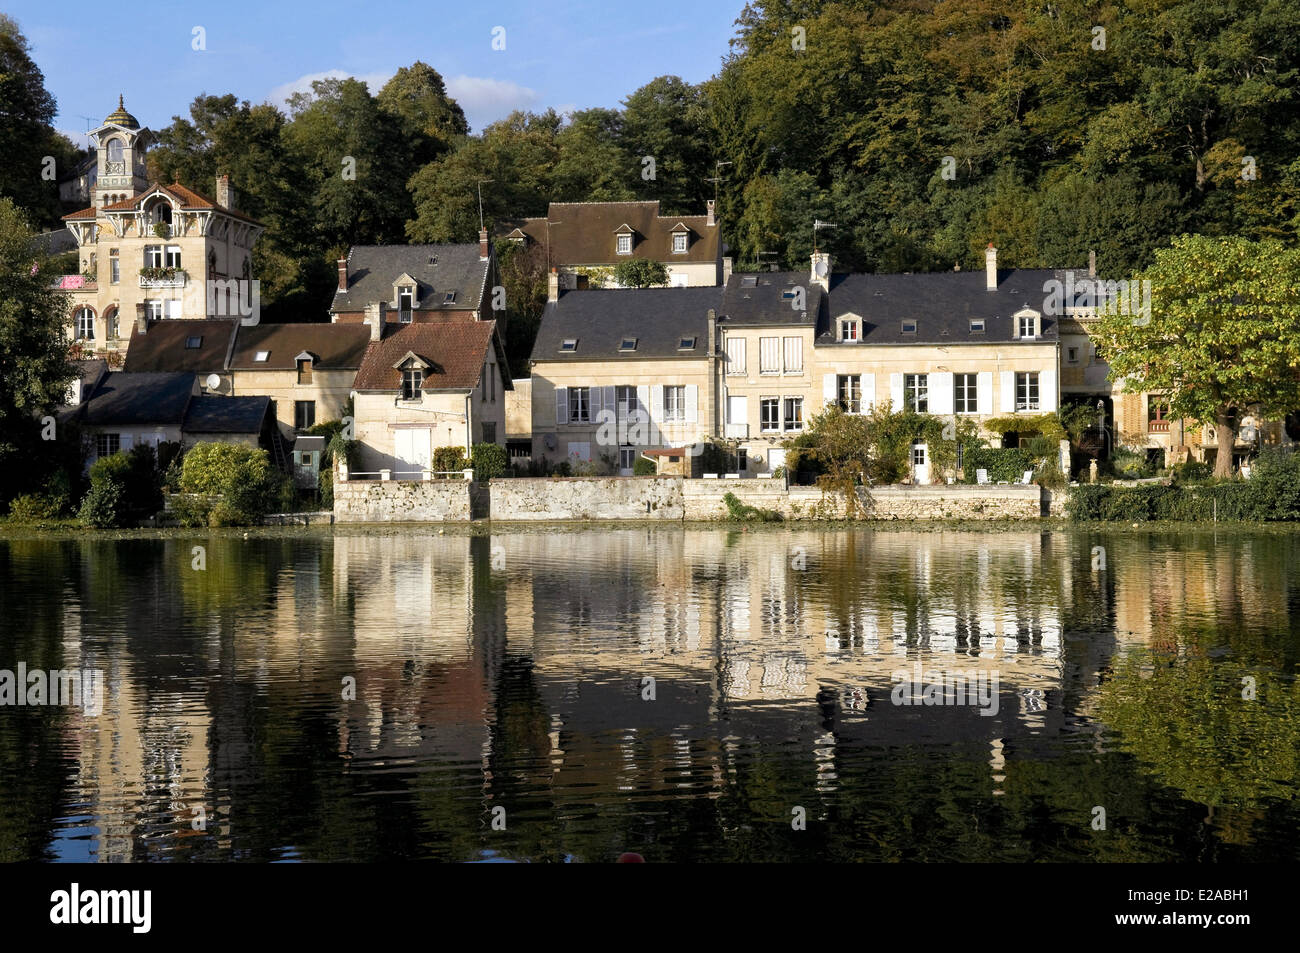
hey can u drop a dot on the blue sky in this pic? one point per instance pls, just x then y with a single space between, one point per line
563 53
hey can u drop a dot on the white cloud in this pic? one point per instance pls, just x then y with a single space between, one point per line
375 81
487 100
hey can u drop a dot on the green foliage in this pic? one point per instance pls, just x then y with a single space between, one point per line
640 273
1004 464
744 513
104 505
37 508
488 459
1190 472
644 466
124 488
1129 464
244 478
448 459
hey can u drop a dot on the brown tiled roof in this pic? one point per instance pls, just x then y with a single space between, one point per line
454 352
586 230
186 198
162 347
334 346
85 213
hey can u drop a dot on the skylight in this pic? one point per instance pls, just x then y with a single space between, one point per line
627 344
909 327
569 344
449 297
262 356
749 281
977 326
686 344
192 343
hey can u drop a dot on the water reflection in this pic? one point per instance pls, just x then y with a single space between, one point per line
679 692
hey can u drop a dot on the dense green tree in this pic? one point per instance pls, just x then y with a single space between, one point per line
640 273
417 98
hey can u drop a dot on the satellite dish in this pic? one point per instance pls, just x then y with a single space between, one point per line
820 268
214 382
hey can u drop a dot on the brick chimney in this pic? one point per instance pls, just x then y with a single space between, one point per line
376 316
821 269
553 286
991 268
709 210
225 194
343 275
482 244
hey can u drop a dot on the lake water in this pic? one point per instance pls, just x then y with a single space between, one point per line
687 693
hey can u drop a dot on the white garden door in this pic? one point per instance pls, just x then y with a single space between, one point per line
920 464
411 448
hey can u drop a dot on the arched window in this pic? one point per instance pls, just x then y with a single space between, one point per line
85 324
110 324
115 150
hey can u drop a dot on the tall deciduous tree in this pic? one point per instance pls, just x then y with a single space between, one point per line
1221 336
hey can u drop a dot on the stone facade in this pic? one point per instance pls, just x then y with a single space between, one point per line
393 501
704 501
579 498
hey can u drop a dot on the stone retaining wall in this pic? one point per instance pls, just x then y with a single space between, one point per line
588 498
703 500
393 501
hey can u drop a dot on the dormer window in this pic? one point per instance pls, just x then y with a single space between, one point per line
569 345
849 329
909 327
412 382
405 304
627 344
1025 324
977 326
624 244
304 370
680 240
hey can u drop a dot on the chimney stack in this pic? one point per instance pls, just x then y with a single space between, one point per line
376 313
553 286
712 219
141 319
225 194
821 269
991 268
482 244
1092 264
727 266
713 333
343 275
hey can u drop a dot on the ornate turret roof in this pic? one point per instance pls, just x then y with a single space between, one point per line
121 117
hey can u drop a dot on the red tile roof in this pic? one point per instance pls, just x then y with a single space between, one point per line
454 353
186 198
86 213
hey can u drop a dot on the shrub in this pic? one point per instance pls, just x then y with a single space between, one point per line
1004 464
104 506
124 488
644 466
38 507
1129 464
1189 472
743 512
447 459
249 486
488 459
190 509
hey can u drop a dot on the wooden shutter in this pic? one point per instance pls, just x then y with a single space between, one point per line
984 393
793 347
692 404
657 402
769 355
941 393
1047 391
1008 385
830 389
896 391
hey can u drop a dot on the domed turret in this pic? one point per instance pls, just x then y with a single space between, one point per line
121 117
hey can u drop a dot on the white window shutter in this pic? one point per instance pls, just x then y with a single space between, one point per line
125 442
868 392
984 393
1047 391
692 403
561 405
941 393
593 404
610 399
657 402
829 385
1007 383
643 401
896 391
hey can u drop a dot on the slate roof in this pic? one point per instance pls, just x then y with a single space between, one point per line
437 269
124 399
585 233
89 374
162 347
600 318
244 415
759 300
942 304
454 351
334 346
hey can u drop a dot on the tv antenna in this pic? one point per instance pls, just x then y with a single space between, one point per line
480 200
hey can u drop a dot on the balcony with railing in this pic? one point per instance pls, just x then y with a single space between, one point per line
736 430
1157 426
163 278
76 283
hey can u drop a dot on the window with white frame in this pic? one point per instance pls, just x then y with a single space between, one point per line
965 393
172 256
114 267
849 330
625 400
1027 391
405 304
626 458
679 243
412 383
153 309
1028 328
735 356
153 256
793 416
579 405
674 403
792 355
770 413
85 325
916 393
849 388
107 444
625 244
769 355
